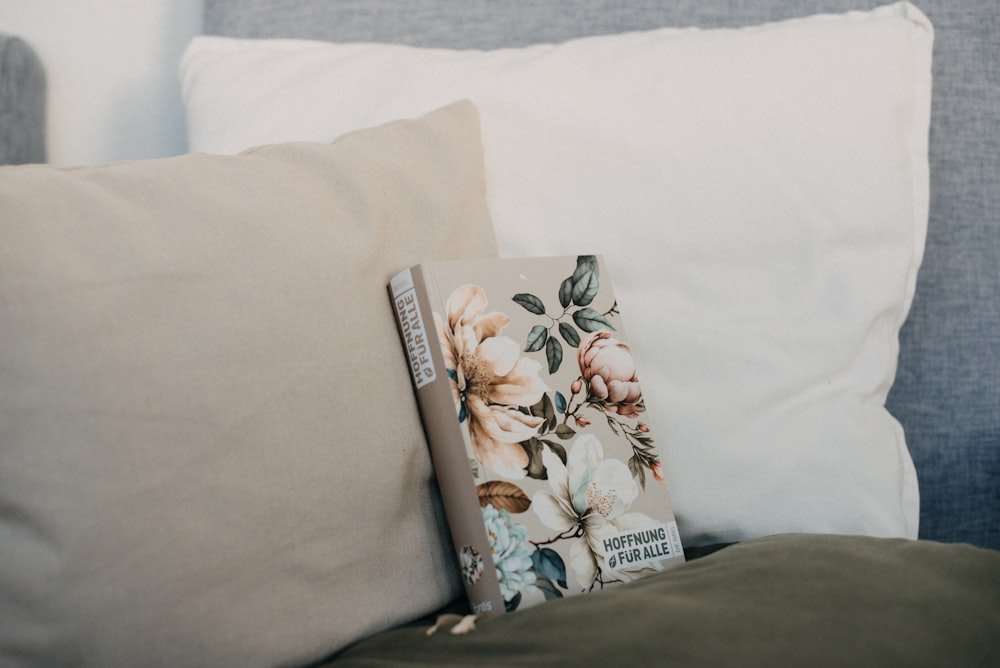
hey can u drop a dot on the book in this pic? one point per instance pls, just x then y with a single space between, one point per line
537 427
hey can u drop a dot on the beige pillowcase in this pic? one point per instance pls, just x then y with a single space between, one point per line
209 449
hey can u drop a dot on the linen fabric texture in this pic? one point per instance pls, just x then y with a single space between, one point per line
789 600
209 449
761 195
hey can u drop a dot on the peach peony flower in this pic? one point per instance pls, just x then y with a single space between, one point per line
490 380
607 366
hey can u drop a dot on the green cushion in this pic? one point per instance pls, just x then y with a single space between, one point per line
791 600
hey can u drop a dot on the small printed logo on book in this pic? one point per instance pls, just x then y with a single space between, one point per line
637 547
482 607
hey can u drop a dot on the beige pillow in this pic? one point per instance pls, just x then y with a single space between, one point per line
209 449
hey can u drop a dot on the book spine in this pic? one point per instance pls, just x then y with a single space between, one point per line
412 302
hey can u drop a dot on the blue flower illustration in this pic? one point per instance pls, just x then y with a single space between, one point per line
511 555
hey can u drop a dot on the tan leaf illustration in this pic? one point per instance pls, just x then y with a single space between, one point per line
503 496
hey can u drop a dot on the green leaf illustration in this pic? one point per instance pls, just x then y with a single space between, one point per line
536 467
536 339
542 408
585 288
584 264
548 562
637 470
560 402
530 302
569 334
590 320
553 353
557 449
566 292
537 409
564 431
548 412
547 587
644 444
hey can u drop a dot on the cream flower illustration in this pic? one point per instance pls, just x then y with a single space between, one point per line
490 380
589 499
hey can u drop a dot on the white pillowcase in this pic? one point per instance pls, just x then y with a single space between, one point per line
760 196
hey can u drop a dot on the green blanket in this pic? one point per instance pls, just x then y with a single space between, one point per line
791 600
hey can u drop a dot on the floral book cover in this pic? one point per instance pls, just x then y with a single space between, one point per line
548 467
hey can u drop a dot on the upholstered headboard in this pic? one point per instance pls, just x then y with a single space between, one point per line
947 391
22 103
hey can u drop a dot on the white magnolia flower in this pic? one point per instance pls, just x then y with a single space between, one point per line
589 499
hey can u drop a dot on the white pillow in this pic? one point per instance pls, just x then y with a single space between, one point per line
760 194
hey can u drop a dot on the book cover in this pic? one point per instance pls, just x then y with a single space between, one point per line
537 425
